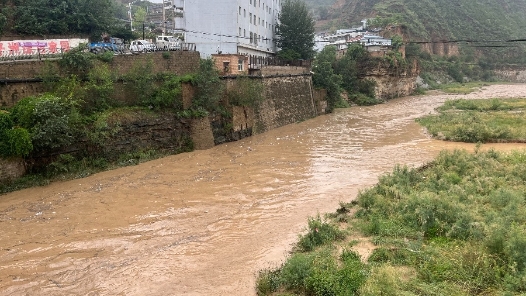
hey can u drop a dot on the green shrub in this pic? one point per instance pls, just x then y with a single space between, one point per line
363 100
384 280
98 89
22 112
141 82
14 141
208 87
52 122
106 57
245 92
77 60
319 232
296 271
168 95
18 141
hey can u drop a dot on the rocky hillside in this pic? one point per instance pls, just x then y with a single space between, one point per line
477 23
467 19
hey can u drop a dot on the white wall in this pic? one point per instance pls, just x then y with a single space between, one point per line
222 25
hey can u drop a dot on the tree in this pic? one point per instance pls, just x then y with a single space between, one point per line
295 30
43 17
324 76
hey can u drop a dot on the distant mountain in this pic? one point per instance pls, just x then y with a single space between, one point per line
440 19
479 25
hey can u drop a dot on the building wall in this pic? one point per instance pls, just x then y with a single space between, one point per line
233 62
226 25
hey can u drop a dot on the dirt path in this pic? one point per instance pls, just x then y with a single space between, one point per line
204 223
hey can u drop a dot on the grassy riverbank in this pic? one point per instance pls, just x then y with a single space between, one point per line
493 120
455 227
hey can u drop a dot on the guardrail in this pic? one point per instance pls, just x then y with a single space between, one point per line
41 54
33 54
256 62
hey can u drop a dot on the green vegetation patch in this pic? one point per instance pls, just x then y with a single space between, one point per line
461 88
459 223
453 227
473 121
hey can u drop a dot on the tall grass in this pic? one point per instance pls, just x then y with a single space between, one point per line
455 227
463 221
492 120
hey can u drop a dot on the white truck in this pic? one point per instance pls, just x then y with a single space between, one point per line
164 42
142 46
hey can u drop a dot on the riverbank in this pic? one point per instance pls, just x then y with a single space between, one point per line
205 222
452 227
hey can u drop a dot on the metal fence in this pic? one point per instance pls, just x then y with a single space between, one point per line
256 62
41 54
33 54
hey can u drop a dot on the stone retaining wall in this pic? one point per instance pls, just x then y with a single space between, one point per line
17 79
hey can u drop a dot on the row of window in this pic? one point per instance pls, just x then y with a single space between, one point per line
254 38
266 7
253 19
244 11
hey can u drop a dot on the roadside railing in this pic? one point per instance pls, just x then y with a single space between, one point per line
41 54
29 54
256 62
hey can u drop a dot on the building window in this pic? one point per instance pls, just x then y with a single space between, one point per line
250 16
239 32
250 1
251 37
240 64
226 67
244 33
239 10
244 13
254 19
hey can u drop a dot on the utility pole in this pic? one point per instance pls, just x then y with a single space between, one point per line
164 19
130 15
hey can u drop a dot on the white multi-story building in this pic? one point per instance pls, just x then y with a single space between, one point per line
228 26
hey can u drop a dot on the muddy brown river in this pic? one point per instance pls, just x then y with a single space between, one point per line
205 222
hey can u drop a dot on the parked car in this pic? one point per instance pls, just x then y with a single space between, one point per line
142 46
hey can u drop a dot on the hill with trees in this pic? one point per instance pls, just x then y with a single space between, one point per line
46 18
481 22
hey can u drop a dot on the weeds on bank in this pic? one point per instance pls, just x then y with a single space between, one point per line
455 227
473 121
461 88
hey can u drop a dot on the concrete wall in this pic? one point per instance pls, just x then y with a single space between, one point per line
201 133
287 100
11 168
12 93
143 131
11 73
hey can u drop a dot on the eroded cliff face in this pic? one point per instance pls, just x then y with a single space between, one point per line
515 75
393 82
440 48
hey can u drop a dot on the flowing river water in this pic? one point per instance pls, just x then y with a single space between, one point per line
205 222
